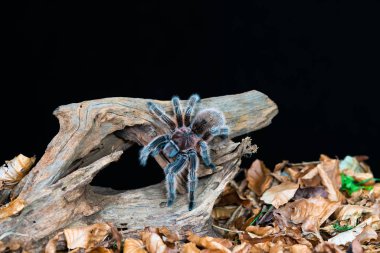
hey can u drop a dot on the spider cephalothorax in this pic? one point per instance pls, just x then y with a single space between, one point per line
187 137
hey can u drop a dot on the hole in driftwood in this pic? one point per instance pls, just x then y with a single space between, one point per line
128 174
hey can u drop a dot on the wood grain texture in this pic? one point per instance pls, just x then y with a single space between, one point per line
95 133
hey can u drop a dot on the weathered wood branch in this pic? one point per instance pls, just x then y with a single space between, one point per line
56 193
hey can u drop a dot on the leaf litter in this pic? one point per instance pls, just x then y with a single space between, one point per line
323 206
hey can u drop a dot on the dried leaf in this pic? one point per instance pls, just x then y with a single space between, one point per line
355 247
367 234
299 248
190 248
311 213
100 250
348 236
86 237
352 213
259 177
14 170
326 247
51 246
310 192
153 242
332 187
242 248
12 208
208 242
280 194
262 231
171 236
225 212
351 163
133 246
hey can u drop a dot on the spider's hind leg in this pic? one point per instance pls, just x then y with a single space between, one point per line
153 147
192 177
205 154
170 171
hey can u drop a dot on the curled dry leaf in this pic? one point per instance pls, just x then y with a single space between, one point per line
352 213
311 213
86 237
153 242
222 212
244 247
355 247
280 194
190 248
257 231
12 208
350 235
51 246
332 186
299 248
171 236
367 234
14 170
259 177
134 246
208 242
326 247
310 192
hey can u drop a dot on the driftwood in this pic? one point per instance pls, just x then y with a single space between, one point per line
56 193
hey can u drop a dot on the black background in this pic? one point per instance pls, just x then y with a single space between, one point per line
318 60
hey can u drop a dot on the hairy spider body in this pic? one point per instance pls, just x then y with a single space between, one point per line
187 137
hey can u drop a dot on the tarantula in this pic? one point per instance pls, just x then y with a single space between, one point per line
187 137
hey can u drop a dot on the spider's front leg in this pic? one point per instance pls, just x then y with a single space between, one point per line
205 154
170 171
190 107
153 147
160 113
192 177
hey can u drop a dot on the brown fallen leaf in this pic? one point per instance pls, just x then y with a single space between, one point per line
351 213
171 236
350 235
242 248
299 248
332 186
134 246
310 192
153 242
262 231
311 213
259 177
207 242
12 208
355 247
223 212
100 250
367 234
14 170
326 247
190 248
51 246
86 237
279 194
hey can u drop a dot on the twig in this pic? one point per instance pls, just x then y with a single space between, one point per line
265 215
304 163
228 230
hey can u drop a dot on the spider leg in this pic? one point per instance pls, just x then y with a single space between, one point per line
190 107
216 131
205 154
177 111
192 177
170 171
156 110
152 147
